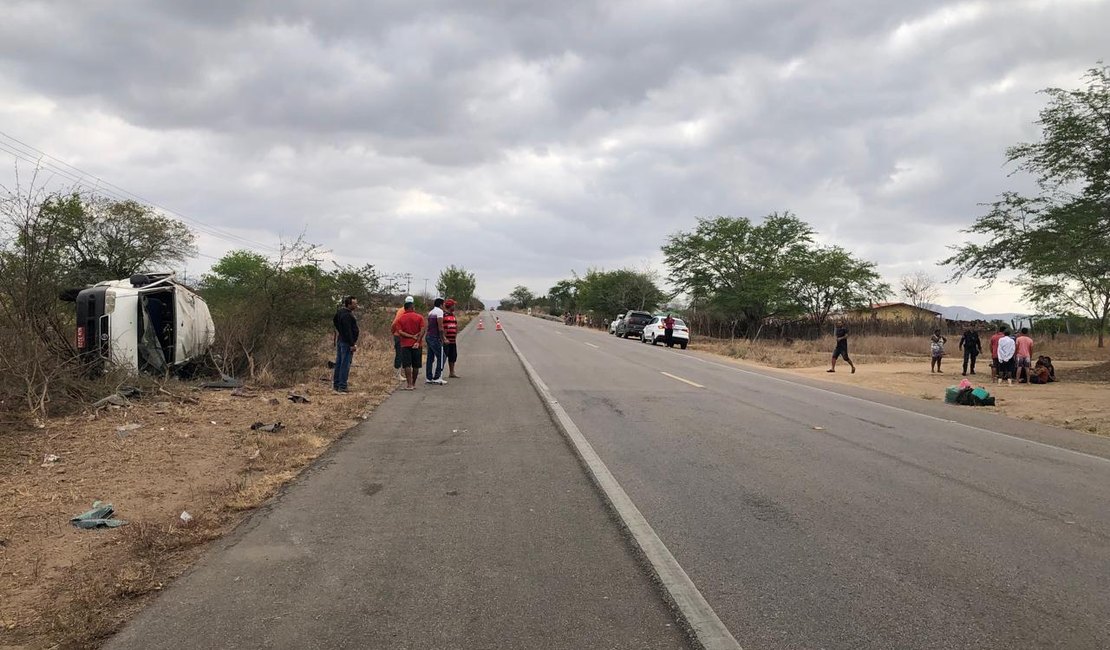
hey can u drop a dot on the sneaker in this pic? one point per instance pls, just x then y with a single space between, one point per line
400 376
429 381
441 382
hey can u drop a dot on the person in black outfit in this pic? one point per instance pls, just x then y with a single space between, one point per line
346 342
841 349
972 346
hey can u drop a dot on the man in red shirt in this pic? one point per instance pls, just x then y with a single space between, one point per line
668 331
994 350
409 328
450 334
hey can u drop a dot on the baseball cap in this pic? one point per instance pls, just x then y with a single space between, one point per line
409 300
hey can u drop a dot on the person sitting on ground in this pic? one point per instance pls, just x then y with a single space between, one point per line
936 347
1043 370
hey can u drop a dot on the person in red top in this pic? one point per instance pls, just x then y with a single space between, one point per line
1024 355
668 331
450 334
409 328
994 350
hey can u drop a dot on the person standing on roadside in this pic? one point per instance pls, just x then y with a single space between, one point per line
434 370
841 349
972 345
936 347
346 342
409 328
994 350
668 331
397 347
450 335
1024 355
1007 346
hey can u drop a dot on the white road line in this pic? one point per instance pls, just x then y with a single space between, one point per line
685 381
902 410
593 346
700 618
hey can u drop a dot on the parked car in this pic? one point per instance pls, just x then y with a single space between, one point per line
148 323
632 323
654 332
613 325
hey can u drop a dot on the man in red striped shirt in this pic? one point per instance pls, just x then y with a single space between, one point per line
450 333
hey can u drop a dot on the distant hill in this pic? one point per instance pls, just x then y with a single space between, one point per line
959 312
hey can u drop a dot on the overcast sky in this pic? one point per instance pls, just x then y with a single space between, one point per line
523 140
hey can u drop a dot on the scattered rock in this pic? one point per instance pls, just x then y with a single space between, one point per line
111 400
268 428
242 391
162 408
452 493
297 398
124 429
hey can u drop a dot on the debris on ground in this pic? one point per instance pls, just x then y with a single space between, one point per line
50 459
255 454
123 429
243 391
224 382
273 401
268 428
114 399
817 428
185 517
162 408
100 516
297 398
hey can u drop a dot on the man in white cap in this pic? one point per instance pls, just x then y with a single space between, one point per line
409 328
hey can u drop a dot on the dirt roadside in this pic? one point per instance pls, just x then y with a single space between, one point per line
1077 405
191 450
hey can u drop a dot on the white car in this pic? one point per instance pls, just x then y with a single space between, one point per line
613 325
654 332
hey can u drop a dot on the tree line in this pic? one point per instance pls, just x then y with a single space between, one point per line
742 275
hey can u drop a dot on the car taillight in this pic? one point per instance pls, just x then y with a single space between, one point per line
662 328
80 337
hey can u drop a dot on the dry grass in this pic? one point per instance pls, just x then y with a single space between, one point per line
63 587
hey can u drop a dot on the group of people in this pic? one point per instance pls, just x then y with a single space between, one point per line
1011 356
411 332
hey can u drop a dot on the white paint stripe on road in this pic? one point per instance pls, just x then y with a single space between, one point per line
685 381
700 618
902 410
594 346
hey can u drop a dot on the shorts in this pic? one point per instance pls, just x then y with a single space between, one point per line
1024 362
841 351
451 351
411 358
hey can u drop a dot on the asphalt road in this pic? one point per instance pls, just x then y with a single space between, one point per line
455 517
809 518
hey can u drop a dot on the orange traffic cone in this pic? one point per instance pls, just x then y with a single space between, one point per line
499 328
481 325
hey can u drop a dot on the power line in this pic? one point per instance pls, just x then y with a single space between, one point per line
30 154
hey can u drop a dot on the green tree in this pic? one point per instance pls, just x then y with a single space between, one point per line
563 297
1057 243
831 278
608 293
521 297
738 268
458 283
114 239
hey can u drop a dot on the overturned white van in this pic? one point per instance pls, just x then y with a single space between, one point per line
149 323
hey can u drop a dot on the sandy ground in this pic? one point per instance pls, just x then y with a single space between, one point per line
193 451
1079 405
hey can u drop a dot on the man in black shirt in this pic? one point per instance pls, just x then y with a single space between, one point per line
972 346
346 342
841 349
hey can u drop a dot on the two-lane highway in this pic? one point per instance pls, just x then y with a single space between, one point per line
812 519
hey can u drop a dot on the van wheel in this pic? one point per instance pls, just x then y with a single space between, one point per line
682 345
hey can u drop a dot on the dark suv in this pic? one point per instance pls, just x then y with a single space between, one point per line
632 323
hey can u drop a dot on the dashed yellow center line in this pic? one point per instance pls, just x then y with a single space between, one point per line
685 381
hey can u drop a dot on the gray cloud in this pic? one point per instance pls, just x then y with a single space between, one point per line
524 140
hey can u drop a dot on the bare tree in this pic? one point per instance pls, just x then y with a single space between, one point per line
920 288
